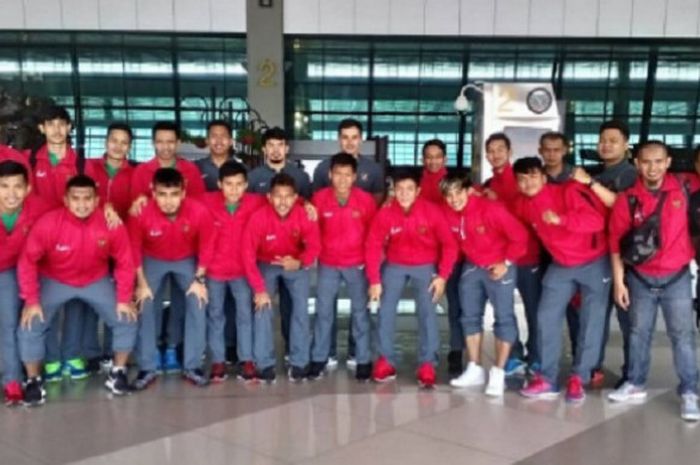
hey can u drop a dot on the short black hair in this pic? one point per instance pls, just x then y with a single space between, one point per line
344 159
232 168
121 127
554 135
527 165
615 124
81 180
403 174
222 123
498 136
349 123
168 177
12 168
283 180
435 143
53 112
165 126
454 180
276 133
651 143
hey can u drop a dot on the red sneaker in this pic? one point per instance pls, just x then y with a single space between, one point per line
597 379
426 375
383 371
13 394
247 371
574 389
218 373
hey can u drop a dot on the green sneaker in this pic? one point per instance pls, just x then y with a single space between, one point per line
52 372
75 369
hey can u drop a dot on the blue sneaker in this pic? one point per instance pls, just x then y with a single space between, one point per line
75 369
514 367
52 372
170 363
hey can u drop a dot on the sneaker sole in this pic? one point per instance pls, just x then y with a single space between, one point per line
424 385
631 398
575 400
465 386
110 387
691 417
541 396
495 393
386 379
218 379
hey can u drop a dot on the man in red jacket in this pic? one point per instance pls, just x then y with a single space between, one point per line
19 211
52 165
166 142
344 215
112 175
280 241
231 207
66 257
661 279
571 225
490 239
434 170
171 237
413 235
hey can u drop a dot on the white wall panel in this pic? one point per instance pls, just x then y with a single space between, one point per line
442 17
682 18
406 17
546 17
476 17
155 15
337 17
42 14
120 17
615 18
581 18
228 15
12 16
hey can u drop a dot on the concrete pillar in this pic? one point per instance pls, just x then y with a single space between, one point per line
265 44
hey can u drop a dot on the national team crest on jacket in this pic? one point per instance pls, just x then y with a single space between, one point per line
356 213
101 243
186 228
422 229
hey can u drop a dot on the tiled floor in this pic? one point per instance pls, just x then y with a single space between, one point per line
338 421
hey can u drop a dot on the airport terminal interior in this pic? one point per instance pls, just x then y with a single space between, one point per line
408 71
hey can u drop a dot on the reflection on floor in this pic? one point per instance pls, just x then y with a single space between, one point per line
338 421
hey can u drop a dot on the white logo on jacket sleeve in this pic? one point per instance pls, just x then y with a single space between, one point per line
155 233
270 237
327 214
395 230
62 248
41 174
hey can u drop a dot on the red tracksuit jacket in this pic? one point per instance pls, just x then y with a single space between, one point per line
490 234
11 243
189 235
76 253
143 177
116 190
49 182
417 237
430 185
505 185
343 228
8 153
580 238
227 259
676 247
268 237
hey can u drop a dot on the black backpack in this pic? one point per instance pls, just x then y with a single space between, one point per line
641 243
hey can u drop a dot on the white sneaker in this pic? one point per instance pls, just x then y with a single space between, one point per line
497 382
351 363
628 392
689 407
474 375
332 363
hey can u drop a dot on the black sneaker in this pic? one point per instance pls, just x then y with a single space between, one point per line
231 356
34 393
454 363
144 379
297 374
316 370
117 382
196 377
267 375
93 365
363 372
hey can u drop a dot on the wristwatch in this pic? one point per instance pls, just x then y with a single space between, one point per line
201 279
